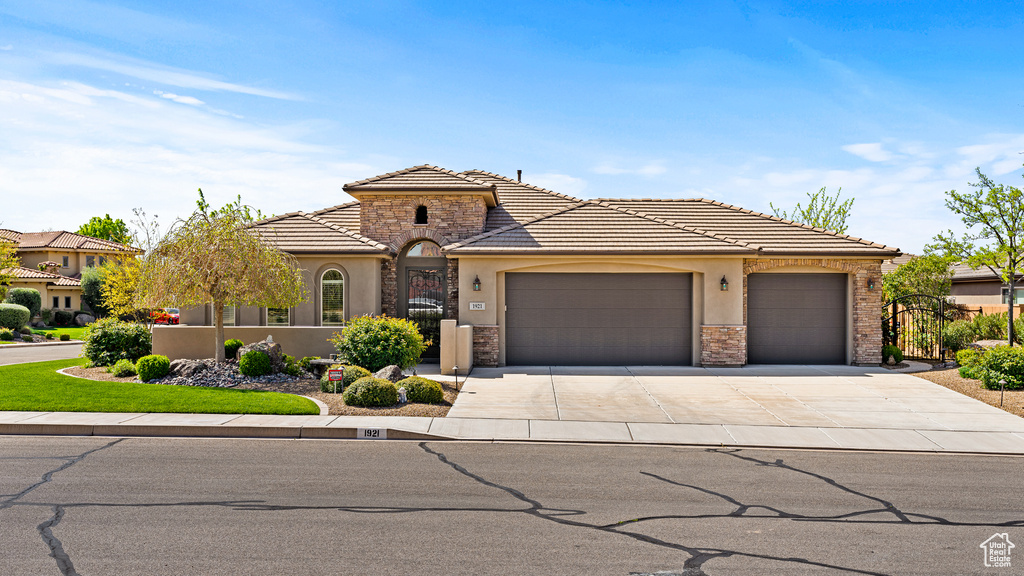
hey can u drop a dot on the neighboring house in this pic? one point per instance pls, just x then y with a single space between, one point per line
892 264
57 291
52 262
544 278
983 287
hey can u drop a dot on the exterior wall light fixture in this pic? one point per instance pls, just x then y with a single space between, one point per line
871 283
476 284
725 284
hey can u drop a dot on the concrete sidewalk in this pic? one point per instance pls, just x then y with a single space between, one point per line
498 429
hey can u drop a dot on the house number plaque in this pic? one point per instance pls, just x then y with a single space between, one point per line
372 433
477 306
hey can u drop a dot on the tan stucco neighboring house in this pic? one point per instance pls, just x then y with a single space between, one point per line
52 263
983 287
543 278
58 292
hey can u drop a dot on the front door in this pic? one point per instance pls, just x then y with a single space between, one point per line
425 305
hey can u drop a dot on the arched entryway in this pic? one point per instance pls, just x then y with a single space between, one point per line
423 291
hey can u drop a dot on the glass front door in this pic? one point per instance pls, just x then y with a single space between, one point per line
425 289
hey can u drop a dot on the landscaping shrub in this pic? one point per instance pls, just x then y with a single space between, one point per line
48 336
13 316
63 317
27 297
291 367
370 391
109 340
123 368
378 341
305 363
424 390
6 334
152 367
969 360
255 363
990 326
46 315
65 337
957 335
1018 329
231 348
894 351
1003 363
25 330
352 373
27 338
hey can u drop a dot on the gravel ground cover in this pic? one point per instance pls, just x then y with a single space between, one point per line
290 385
1013 400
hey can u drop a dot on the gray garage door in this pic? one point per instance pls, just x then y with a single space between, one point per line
796 319
598 319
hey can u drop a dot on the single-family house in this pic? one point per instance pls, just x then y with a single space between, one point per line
534 277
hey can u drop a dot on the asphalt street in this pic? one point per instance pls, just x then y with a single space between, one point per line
19 353
196 506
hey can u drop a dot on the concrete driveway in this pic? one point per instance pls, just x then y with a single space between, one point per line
805 396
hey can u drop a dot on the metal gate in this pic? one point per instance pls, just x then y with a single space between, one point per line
426 305
915 322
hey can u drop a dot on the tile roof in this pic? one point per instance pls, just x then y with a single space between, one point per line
299 232
344 215
61 239
597 227
23 273
425 177
964 273
894 263
9 235
520 202
770 235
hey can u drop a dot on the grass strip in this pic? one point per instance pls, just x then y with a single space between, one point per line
37 386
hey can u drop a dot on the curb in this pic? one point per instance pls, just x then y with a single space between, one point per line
44 344
211 431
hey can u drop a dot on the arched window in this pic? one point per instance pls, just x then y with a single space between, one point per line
332 298
425 248
421 215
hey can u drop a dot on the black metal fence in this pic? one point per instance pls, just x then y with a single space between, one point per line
915 323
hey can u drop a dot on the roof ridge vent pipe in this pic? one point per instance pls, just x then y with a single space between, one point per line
519 175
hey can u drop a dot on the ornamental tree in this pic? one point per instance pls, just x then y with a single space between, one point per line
994 215
8 260
822 211
106 228
217 257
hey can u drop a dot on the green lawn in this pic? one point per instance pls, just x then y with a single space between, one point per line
38 387
76 332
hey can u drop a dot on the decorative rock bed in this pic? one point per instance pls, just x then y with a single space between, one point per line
207 373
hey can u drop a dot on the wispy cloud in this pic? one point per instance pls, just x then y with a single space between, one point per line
650 169
179 99
872 152
84 146
561 183
160 74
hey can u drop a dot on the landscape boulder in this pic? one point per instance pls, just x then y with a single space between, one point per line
186 368
390 373
271 348
83 319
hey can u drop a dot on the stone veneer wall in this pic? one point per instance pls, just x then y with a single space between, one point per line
723 345
389 287
391 219
867 304
453 290
485 345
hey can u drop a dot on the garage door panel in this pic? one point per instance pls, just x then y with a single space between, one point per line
598 319
796 318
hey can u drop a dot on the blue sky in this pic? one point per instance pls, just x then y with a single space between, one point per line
109 106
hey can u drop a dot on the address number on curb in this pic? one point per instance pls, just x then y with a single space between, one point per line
372 433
